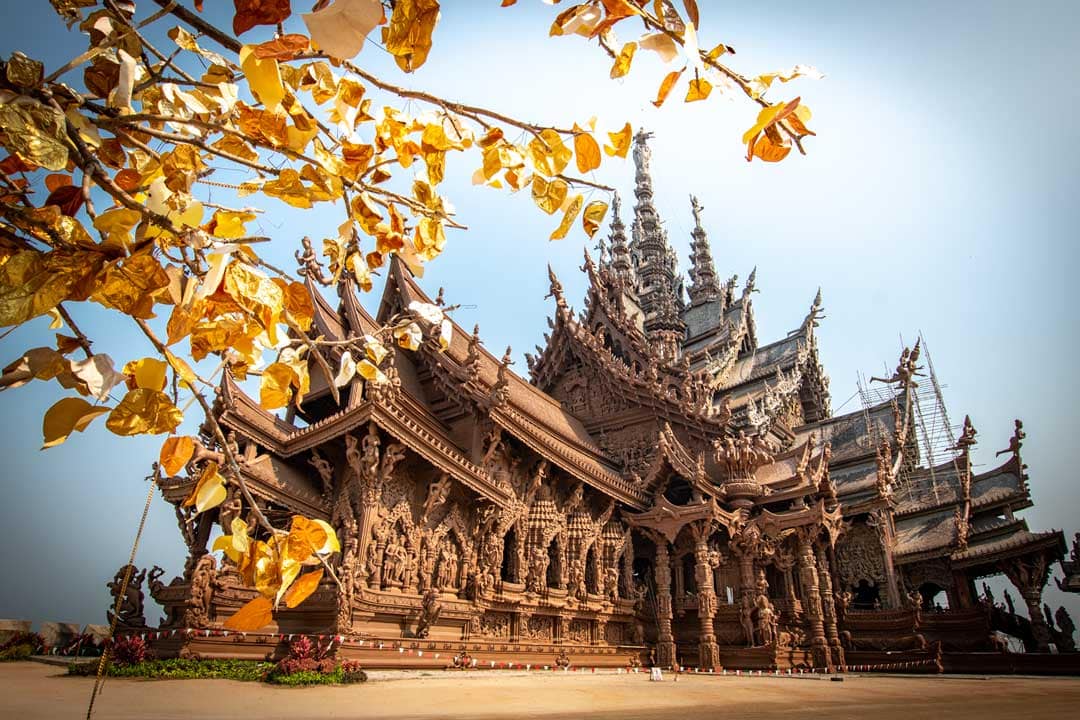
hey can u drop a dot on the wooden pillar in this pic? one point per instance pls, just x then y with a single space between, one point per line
1029 574
881 521
708 652
828 606
812 598
665 646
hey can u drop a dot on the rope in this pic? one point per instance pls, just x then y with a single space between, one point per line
99 681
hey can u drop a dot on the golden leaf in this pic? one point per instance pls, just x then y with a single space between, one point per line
408 38
24 72
339 29
548 152
305 538
175 453
429 238
68 415
146 373
549 195
33 283
181 166
283 47
130 285
297 303
229 225
209 491
699 89
116 224
274 389
593 216
302 588
144 411
254 615
95 376
692 12
666 86
569 216
257 294
332 545
620 142
42 363
289 189
769 146
35 132
367 370
586 150
622 62
365 212
773 149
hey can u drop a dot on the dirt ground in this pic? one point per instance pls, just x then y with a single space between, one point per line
30 690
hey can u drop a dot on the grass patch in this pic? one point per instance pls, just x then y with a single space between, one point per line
242 670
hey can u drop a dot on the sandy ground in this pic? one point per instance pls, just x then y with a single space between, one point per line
31 690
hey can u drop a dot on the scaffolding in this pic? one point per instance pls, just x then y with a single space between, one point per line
935 436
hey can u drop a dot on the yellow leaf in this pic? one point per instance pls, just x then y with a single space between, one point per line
408 38
593 216
569 216
209 491
175 453
263 76
116 224
229 225
622 62
699 89
665 87
130 286
331 545
254 615
146 373
579 19
256 293
33 283
586 150
409 336
67 416
297 303
181 368
549 195
620 142
548 152
144 411
302 588
346 371
429 238
274 389
339 29
367 370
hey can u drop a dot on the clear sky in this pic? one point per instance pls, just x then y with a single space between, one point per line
940 196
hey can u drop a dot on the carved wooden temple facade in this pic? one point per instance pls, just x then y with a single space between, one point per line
663 483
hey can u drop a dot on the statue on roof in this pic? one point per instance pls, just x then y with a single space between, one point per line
642 154
967 435
696 208
309 263
1015 441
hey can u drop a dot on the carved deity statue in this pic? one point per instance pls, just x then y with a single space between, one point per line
538 563
129 611
1066 628
203 584
611 583
746 617
446 577
394 559
430 610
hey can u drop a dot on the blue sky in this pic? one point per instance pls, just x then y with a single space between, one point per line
939 196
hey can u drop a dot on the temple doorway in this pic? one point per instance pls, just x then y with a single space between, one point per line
934 597
866 596
509 558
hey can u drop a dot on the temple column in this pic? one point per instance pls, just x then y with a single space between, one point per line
1029 574
812 598
665 645
708 652
880 521
828 606
785 563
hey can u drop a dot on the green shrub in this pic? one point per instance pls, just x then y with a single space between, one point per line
16 652
244 670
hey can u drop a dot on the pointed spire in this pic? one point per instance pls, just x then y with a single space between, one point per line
659 288
621 264
703 283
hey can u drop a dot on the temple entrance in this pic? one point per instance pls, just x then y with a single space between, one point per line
934 597
554 568
509 558
866 596
592 574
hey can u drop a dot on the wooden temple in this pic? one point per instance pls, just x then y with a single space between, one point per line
662 486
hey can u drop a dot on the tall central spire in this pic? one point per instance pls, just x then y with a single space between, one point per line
659 287
703 283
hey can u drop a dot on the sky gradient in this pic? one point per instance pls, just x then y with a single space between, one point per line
939 196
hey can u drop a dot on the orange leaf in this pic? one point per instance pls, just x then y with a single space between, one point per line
666 86
285 47
175 453
699 89
250 13
54 181
586 150
254 615
692 12
302 587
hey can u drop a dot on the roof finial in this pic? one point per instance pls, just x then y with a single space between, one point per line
704 285
555 289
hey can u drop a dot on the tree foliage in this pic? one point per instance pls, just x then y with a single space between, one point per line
104 198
